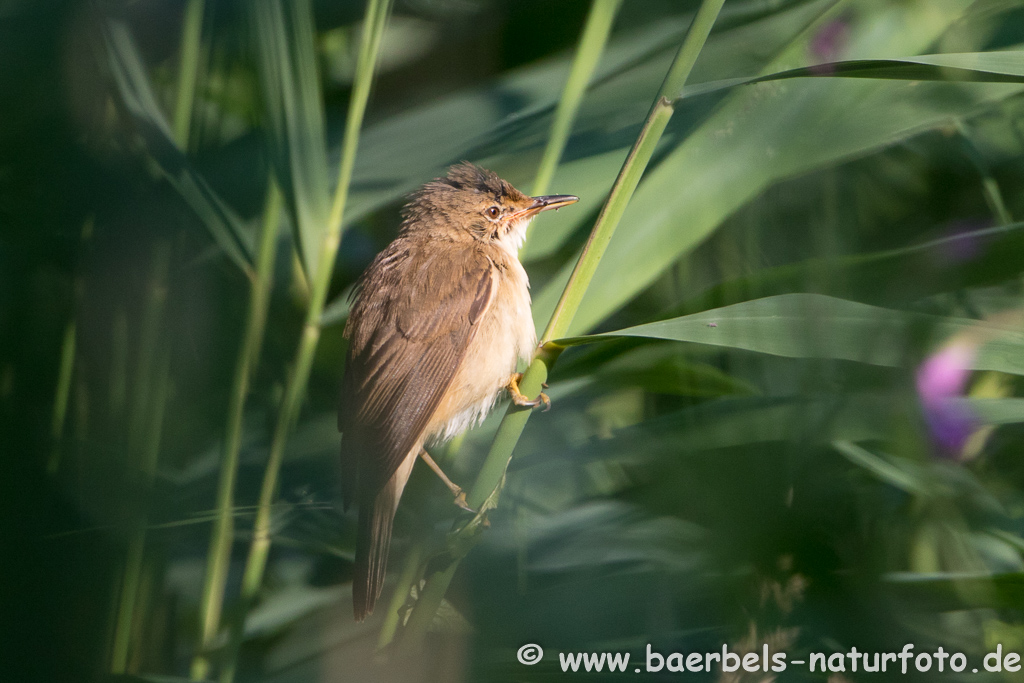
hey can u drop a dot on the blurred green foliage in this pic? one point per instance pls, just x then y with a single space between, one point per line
808 435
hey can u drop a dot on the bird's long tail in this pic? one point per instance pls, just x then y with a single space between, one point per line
373 540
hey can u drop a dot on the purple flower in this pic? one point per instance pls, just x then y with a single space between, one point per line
829 43
963 243
941 381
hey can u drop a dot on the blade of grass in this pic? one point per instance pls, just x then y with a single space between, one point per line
373 30
492 474
293 110
218 557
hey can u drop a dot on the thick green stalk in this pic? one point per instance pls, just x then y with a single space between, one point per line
493 471
591 47
218 558
373 31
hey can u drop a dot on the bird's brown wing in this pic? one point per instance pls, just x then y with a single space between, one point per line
416 314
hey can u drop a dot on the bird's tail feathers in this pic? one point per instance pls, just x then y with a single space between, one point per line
373 540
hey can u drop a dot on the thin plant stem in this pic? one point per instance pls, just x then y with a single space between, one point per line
188 70
989 186
406 580
489 481
67 365
218 558
592 43
144 442
373 31
60 399
118 365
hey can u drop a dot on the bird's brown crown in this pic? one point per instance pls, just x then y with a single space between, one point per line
468 201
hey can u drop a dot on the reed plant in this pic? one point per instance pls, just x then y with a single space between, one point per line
781 329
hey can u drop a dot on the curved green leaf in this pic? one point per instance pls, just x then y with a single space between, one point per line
818 326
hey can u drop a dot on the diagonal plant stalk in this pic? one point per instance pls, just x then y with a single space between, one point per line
486 488
373 30
218 557
591 47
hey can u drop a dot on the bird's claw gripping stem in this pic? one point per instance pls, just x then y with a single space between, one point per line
521 400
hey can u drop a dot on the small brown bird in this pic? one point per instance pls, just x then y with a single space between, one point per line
439 320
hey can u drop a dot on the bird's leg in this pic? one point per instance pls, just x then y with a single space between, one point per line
460 495
520 400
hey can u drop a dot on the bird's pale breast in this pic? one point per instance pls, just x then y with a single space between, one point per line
506 334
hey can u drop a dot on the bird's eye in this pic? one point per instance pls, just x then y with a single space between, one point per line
493 212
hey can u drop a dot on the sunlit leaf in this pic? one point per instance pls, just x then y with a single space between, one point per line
818 326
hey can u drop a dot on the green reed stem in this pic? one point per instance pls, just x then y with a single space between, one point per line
591 47
588 54
188 70
989 186
218 558
410 573
492 474
67 365
373 31
145 424
60 399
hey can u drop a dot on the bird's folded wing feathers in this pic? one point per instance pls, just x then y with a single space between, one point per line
406 344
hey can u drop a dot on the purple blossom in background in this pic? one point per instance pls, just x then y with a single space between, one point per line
941 381
829 43
962 245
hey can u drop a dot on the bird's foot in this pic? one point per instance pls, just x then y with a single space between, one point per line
460 495
460 500
521 400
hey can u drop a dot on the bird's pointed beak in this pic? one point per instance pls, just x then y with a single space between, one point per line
546 202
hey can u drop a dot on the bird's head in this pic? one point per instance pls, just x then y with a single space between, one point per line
474 203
